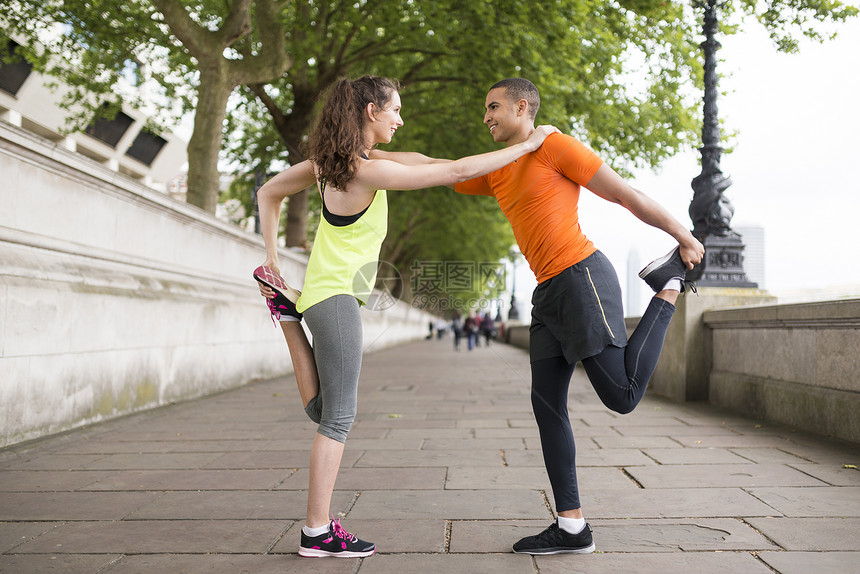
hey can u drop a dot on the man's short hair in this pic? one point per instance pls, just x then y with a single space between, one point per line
521 89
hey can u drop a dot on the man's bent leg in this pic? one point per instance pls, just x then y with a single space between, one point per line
620 375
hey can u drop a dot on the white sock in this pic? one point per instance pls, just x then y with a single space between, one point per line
288 319
572 525
673 284
313 532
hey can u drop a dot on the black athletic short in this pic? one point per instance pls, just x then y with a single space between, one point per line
577 313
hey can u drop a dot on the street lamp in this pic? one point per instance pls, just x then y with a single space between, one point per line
710 211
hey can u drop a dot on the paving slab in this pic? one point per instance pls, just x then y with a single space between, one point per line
841 502
451 504
508 563
832 474
673 503
474 444
61 506
438 458
721 476
643 442
47 480
583 443
535 478
264 459
813 534
159 537
152 461
191 480
654 563
229 564
491 433
584 458
676 456
232 504
53 461
678 430
114 447
425 433
13 534
818 562
62 564
733 441
376 479
821 452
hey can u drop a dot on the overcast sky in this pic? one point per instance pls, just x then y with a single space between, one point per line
794 166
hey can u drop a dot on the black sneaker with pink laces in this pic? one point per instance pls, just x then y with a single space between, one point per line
284 303
337 542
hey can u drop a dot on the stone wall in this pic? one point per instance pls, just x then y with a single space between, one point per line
798 365
115 298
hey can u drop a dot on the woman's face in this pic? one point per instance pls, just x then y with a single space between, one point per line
386 120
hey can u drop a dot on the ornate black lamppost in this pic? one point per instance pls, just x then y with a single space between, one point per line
710 211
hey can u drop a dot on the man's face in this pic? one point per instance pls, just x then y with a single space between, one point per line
502 115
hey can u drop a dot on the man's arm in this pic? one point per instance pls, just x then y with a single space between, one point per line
611 187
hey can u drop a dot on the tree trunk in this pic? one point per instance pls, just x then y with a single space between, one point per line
291 128
296 233
205 143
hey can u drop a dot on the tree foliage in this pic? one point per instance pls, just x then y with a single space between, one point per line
621 75
95 46
616 74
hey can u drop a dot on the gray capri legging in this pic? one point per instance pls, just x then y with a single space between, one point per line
335 324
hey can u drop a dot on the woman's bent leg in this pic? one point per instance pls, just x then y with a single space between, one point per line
302 356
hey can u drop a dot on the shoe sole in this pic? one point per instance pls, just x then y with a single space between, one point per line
315 553
586 550
270 279
656 264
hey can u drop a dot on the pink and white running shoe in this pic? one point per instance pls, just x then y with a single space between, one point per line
284 303
337 542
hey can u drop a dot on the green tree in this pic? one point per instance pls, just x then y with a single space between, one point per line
213 47
617 75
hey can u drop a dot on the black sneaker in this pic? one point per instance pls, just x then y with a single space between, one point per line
554 540
336 542
285 299
660 271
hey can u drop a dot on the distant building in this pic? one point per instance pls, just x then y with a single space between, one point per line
122 144
754 260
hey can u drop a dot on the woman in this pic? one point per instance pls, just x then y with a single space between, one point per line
352 178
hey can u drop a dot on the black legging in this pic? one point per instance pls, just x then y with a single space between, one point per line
620 377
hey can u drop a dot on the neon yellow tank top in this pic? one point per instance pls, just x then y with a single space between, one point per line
344 259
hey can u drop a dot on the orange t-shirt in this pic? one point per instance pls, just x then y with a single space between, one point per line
539 194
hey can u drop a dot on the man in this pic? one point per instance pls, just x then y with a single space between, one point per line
577 312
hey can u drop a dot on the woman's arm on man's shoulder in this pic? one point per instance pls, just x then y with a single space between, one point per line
405 157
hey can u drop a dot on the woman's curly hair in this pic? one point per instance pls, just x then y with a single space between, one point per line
337 140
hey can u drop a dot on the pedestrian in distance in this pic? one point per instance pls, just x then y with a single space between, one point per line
352 177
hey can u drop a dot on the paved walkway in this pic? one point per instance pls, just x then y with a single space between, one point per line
442 470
